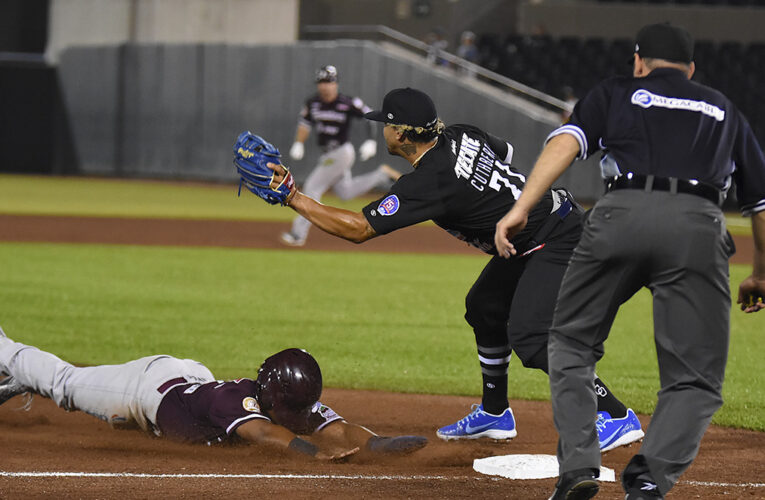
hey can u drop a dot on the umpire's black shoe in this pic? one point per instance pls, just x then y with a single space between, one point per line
579 484
643 489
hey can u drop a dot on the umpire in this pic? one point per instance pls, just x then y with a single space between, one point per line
671 148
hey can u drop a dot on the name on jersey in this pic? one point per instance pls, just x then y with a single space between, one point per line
645 99
471 155
329 115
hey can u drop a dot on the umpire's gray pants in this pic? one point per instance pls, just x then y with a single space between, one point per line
678 247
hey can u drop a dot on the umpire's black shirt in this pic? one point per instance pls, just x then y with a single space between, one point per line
465 185
666 125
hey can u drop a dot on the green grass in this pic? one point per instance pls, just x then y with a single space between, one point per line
104 197
388 322
374 321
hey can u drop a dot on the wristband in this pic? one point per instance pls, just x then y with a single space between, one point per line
303 446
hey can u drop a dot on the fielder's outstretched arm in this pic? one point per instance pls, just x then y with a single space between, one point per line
351 226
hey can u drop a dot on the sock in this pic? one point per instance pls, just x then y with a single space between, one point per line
608 402
494 362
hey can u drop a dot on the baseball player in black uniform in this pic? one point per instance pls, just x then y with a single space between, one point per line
180 399
463 181
671 148
331 113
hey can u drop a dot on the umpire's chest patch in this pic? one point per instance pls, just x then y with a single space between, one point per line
389 205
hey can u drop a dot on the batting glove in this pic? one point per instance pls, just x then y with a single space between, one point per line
368 149
297 151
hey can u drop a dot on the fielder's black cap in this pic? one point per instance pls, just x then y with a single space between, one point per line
326 74
406 107
665 41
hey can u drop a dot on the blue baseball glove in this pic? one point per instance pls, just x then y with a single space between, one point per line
251 154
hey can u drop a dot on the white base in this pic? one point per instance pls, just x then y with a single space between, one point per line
527 467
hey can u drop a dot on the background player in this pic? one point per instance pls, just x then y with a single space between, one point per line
462 180
182 400
330 112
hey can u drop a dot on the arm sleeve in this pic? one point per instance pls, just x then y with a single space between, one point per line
502 148
321 416
233 406
587 121
412 199
305 118
750 170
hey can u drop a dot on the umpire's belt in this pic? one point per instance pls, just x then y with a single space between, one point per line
171 383
671 184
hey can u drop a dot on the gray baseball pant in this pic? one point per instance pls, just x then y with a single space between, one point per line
334 171
677 246
117 394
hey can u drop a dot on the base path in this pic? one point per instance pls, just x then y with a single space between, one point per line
226 233
50 453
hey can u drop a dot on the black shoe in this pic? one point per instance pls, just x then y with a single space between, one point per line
9 387
643 489
580 484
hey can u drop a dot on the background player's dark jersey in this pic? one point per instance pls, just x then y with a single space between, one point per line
464 186
332 120
211 412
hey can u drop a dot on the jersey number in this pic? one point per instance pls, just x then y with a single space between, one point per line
497 178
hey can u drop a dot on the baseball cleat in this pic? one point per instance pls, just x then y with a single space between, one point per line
480 424
291 240
9 387
615 432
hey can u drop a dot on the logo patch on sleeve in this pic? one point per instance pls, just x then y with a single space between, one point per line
250 404
389 205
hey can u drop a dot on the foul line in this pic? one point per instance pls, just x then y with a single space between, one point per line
228 476
308 476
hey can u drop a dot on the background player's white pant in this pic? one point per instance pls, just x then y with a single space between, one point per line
117 394
334 171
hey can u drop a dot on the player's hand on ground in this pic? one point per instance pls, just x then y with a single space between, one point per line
507 227
336 453
751 294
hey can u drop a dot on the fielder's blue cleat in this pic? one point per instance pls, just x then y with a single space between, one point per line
479 424
615 432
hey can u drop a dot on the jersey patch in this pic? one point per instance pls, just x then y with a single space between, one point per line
250 404
646 99
389 205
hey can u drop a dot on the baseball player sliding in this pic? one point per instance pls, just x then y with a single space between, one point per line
330 113
181 399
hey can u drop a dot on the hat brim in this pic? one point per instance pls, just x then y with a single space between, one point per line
377 116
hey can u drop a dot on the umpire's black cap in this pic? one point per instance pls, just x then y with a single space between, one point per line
665 41
406 107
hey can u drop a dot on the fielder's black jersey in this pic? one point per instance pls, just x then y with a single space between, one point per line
210 413
666 125
332 120
465 185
